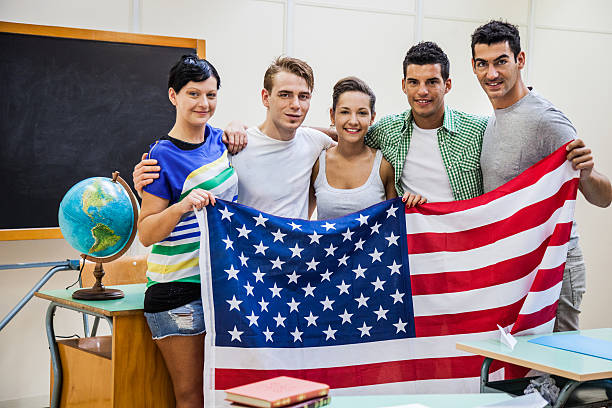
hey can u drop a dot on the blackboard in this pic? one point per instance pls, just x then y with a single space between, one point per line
72 109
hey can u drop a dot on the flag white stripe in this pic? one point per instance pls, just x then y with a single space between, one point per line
543 328
537 301
506 248
497 210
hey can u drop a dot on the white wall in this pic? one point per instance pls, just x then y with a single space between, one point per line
568 63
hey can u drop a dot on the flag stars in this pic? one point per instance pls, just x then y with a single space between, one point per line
252 319
346 317
392 239
391 211
327 304
263 304
243 259
295 226
228 243
280 320
232 273
376 255
249 289
235 334
314 237
395 268
243 232
296 251
378 284
293 305
261 248
260 220
342 261
347 235
268 335
226 214
365 330
359 244
359 272
397 297
293 277
312 320
330 250
234 303
343 288
381 313
275 290
326 275
363 219
312 265
329 226
278 236
277 263
297 335
400 326
258 276
309 290
375 228
330 333
362 301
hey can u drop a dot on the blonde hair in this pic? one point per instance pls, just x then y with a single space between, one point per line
292 65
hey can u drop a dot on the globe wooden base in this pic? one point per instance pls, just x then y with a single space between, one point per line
98 291
97 294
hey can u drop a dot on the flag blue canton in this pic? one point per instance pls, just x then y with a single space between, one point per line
281 282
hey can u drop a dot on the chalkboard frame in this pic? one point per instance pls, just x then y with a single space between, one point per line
93 35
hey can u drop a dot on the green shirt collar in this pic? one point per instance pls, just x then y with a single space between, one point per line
449 122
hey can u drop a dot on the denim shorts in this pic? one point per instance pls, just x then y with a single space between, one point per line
186 320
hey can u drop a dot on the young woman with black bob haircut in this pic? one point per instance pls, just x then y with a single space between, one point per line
194 170
351 176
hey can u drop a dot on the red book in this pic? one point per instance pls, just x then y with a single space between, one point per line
311 403
276 392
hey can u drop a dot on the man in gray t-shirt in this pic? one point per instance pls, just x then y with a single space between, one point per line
524 129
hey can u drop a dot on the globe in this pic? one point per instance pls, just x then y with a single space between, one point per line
96 217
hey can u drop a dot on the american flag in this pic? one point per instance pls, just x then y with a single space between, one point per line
374 302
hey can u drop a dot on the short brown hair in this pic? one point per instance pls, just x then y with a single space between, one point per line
352 84
292 65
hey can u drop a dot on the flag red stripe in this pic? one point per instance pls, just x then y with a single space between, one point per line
524 322
467 322
528 178
502 272
364 374
547 278
524 219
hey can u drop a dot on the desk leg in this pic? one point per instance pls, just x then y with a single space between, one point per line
55 360
484 373
565 393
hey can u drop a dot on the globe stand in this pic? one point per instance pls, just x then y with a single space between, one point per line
98 291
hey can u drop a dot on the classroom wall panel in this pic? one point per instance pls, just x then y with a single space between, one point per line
564 72
392 6
343 44
111 15
478 10
586 15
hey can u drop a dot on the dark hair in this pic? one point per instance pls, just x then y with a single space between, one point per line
191 68
349 84
292 65
496 31
427 52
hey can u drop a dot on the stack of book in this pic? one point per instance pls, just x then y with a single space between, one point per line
280 392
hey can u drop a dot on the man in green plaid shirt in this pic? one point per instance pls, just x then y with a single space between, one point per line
435 150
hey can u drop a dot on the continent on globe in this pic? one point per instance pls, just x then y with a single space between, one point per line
96 197
104 238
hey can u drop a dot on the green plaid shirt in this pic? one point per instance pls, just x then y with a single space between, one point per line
459 140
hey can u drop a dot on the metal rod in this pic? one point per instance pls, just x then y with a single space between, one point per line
68 262
484 374
64 266
56 364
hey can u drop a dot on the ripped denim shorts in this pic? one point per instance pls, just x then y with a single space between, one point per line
186 320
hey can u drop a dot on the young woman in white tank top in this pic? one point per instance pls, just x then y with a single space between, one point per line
351 176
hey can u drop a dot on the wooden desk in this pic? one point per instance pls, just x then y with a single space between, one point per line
125 369
577 368
431 400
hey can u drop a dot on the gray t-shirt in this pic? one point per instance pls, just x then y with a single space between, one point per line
519 136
